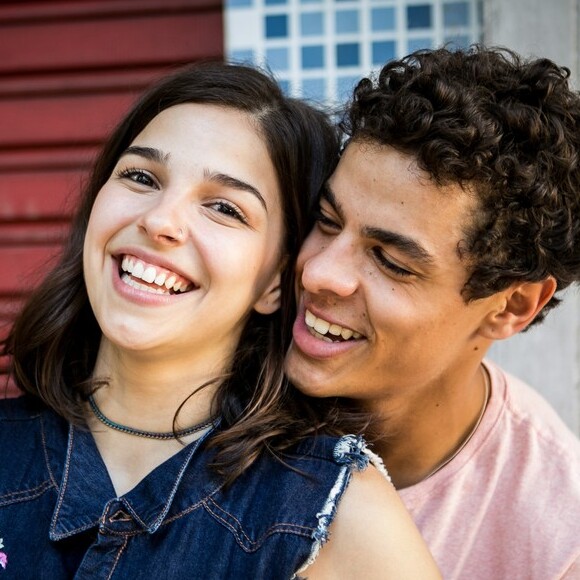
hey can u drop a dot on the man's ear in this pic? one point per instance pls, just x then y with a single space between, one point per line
521 304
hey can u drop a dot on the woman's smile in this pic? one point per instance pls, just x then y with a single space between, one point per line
151 278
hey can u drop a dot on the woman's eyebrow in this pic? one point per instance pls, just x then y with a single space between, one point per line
234 183
147 152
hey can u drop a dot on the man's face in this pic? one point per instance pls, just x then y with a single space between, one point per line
381 315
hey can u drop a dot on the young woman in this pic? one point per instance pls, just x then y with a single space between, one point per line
157 437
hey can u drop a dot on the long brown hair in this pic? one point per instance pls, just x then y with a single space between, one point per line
54 341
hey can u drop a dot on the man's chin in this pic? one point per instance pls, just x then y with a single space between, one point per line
303 377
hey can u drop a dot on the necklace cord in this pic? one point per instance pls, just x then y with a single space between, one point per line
147 434
487 384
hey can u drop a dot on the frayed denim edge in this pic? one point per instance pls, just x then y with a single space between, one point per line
353 454
325 516
378 463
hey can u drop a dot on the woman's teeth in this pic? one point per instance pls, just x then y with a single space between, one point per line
162 281
327 331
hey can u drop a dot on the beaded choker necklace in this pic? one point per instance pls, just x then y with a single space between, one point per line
148 434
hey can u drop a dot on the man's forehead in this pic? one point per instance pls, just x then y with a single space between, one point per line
383 191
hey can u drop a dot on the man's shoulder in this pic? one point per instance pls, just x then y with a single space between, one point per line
533 421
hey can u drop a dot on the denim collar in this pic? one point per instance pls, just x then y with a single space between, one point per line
86 493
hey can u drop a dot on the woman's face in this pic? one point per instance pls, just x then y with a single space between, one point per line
185 238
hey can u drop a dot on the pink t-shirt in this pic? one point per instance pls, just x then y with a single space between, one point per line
508 506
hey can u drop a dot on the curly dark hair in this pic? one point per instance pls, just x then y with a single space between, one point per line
508 130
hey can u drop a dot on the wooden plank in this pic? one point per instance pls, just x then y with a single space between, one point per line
110 43
55 120
9 306
49 158
79 82
23 267
35 196
32 234
12 12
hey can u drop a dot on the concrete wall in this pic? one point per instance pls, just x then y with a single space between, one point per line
547 357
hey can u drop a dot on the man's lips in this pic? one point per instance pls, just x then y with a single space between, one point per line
316 345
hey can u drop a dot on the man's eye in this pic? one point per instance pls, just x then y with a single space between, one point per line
138 176
230 210
389 265
324 221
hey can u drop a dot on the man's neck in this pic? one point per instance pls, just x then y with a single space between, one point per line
420 440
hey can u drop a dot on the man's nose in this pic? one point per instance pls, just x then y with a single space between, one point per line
328 268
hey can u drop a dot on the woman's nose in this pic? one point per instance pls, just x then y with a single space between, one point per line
164 222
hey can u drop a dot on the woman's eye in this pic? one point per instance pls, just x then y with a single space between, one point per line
229 209
138 176
390 265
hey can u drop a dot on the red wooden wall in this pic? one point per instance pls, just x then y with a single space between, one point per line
68 70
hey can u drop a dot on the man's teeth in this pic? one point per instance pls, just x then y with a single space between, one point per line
323 327
133 268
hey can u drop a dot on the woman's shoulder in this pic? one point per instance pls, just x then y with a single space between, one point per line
371 534
344 451
20 423
17 409
23 445
26 425
297 489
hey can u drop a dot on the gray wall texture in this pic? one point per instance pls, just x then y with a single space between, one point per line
547 357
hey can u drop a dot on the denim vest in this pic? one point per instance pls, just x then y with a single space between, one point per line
60 517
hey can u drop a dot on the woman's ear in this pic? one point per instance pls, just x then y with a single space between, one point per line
270 299
521 304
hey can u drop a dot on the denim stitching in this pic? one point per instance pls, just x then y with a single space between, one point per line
7 419
64 478
73 532
243 540
24 495
184 512
121 550
195 446
52 535
254 546
134 514
219 507
45 452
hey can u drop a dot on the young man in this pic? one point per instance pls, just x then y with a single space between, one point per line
450 222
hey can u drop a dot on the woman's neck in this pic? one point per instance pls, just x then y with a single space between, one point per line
145 392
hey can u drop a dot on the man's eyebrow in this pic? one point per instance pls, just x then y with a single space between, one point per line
147 152
234 183
404 243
